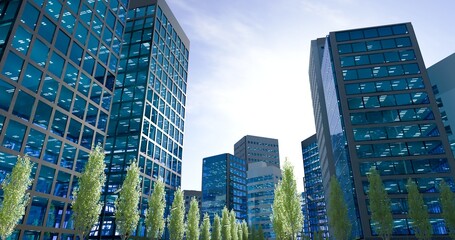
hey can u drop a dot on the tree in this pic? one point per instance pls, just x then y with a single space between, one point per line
216 230
126 205
205 229
277 217
260 233
177 216
225 225
244 230
86 199
379 205
14 186
448 207
338 212
286 207
239 231
192 232
233 225
154 217
418 212
253 234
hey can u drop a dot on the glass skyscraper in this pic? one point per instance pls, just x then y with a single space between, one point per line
258 149
380 112
224 184
65 86
316 212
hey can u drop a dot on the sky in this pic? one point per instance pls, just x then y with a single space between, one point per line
248 66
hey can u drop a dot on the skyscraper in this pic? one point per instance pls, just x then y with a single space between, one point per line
57 71
314 190
258 149
224 184
380 112
148 109
261 181
442 77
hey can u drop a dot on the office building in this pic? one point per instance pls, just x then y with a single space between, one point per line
258 149
306 219
442 77
224 184
261 181
188 195
148 108
379 111
58 64
314 190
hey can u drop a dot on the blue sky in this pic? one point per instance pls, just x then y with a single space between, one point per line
248 66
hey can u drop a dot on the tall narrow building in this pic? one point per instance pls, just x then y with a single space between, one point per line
148 109
224 184
258 149
316 212
58 64
377 109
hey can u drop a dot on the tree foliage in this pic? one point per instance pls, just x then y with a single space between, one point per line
86 203
126 205
225 224
14 186
287 217
244 230
239 231
379 205
216 229
205 228
192 232
338 212
177 216
154 219
418 212
260 233
448 207
233 225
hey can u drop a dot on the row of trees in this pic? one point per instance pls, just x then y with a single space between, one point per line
380 209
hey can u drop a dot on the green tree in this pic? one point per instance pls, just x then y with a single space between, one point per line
418 212
14 186
379 205
286 205
244 230
239 231
338 212
192 232
260 233
448 207
154 219
225 224
205 228
253 234
177 216
233 225
216 229
126 205
86 199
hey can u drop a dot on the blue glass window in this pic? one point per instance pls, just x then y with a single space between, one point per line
412 68
95 94
55 214
56 64
21 41
53 8
79 107
39 52
89 63
14 136
42 115
403 42
52 150
81 33
70 75
2 120
68 156
76 53
32 78
359 47
65 98
84 84
63 42
388 43
24 105
101 8
364 73
85 14
74 130
74 5
380 72
385 31
92 113
97 25
50 88
349 74
342 48
59 123
374 45
347 61
87 137
377 58
35 143
407 55
62 184
36 215
47 29
30 16
13 69
68 20
93 44
45 179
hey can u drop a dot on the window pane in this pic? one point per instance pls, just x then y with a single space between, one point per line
30 16
50 88
47 29
42 115
13 69
56 64
24 105
7 91
21 41
59 123
65 98
39 52
14 136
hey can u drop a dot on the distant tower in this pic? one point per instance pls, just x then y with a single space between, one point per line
258 149
224 184
190 194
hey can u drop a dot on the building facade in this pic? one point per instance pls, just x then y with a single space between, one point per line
382 113
442 76
258 149
58 64
316 212
261 181
224 184
148 108
188 195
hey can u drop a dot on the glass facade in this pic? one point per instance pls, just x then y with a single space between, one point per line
261 181
382 113
148 109
316 212
224 184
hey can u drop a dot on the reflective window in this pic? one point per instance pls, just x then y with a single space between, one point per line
76 53
87 137
84 84
14 66
79 107
7 91
56 64
59 123
74 130
68 21
50 88
21 40
30 16
35 143
32 78
62 184
55 214
70 76
24 105
65 98
68 156
81 33
46 29
53 8
63 42
36 215
39 52
45 179
52 150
